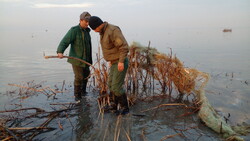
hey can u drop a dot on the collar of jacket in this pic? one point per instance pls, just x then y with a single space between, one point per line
86 29
104 28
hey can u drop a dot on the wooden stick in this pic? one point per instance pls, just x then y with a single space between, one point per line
117 131
69 57
37 109
170 136
105 133
170 104
26 87
143 135
8 138
127 135
63 85
60 125
29 128
64 103
189 113
69 120
11 133
52 116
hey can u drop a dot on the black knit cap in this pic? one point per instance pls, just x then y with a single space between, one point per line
94 22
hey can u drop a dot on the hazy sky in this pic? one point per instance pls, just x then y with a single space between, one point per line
131 13
135 17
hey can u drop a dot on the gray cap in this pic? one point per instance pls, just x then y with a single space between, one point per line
85 16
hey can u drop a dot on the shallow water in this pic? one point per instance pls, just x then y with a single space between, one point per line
225 56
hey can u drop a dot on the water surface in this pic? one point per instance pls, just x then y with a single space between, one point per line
225 56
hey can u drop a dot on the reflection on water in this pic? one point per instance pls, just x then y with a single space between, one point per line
151 125
225 56
84 122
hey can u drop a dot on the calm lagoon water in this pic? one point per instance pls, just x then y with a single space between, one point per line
225 56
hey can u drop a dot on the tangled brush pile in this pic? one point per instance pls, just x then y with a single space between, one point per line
170 72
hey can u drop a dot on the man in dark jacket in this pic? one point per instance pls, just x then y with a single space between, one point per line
115 50
79 39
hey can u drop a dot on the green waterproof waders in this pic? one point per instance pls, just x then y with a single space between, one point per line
115 83
80 81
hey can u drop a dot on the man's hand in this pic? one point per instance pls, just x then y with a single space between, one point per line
120 66
109 64
60 55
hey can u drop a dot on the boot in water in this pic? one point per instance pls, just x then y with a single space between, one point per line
124 105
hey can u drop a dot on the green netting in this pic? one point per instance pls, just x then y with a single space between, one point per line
169 69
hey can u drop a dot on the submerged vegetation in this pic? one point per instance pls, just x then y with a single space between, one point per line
150 75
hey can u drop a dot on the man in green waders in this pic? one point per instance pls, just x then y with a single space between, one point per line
115 50
79 38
